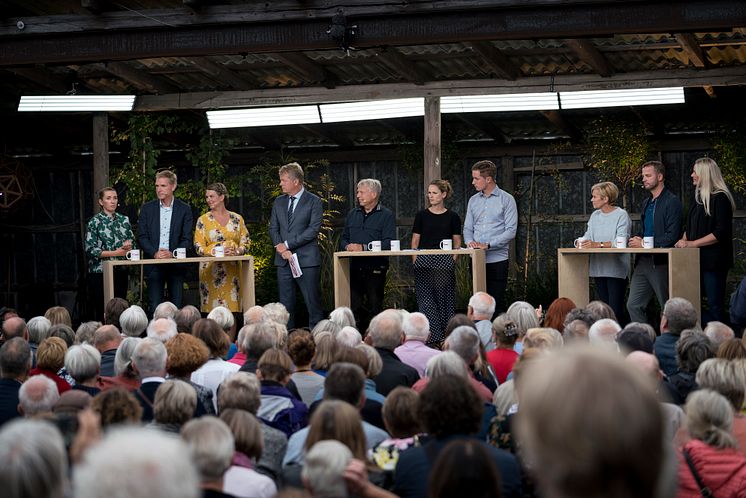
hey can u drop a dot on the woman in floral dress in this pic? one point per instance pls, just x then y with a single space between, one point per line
108 236
219 283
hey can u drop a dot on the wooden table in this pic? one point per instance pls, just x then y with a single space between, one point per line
247 273
683 272
342 268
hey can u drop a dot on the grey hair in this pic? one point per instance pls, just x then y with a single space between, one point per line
133 321
162 329
255 314
680 314
523 315
375 363
645 328
175 401
342 316
543 338
84 333
718 333
482 304
33 460
446 363
709 418
82 362
38 329
108 468
603 332
725 377
692 349
241 391
166 309
324 466
349 336
123 358
326 326
277 312
371 184
150 358
416 326
385 330
38 395
211 445
223 316
258 338
464 341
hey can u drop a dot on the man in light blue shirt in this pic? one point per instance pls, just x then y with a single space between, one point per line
490 224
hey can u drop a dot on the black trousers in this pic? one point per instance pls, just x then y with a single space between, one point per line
366 294
497 283
96 304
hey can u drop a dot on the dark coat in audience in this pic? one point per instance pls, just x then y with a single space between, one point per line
394 373
9 399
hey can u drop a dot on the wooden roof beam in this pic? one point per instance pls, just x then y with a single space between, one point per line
404 68
310 70
485 127
556 118
220 73
329 135
44 78
496 60
587 52
691 48
140 79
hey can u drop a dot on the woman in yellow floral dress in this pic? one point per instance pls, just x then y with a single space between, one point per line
219 283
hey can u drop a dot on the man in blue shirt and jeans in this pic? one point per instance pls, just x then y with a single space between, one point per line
490 224
661 219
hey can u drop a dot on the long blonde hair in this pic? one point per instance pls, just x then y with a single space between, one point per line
710 182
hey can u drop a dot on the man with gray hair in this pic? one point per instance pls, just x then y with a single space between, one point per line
324 468
386 335
678 315
718 333
107 340
38 330
255 314
258 338
368 222
166 309
37 396
603 333
15 362
149 361
480 310
162 329
116 466
133 321
464 341
414 351
33 460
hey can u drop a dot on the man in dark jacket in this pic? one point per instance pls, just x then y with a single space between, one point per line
661 219
15 362
386 335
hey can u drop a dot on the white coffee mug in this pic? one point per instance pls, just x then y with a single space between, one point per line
579 241
395 245
446 244
218 251
374 246
621 242
648 242
179 253
133 255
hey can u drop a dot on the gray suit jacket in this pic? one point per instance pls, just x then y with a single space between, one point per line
302 234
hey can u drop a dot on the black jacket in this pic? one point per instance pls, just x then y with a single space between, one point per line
666 222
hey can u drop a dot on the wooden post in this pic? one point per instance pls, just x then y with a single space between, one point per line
100 155
432 140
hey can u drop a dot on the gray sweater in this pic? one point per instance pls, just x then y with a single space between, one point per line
605 227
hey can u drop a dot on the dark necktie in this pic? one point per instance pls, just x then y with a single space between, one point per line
290 209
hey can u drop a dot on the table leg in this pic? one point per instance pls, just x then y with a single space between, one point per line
248 294
341 281
478 272
108 281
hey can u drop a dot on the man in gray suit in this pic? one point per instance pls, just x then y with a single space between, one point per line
294 228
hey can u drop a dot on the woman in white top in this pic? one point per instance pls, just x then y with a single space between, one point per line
607 223
241 480
216 370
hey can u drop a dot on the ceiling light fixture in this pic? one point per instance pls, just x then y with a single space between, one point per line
373 109
72 103
265 116
545 101
619 98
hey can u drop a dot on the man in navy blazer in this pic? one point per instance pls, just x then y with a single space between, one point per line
164 225
294 229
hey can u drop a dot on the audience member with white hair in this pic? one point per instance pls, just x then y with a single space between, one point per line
718 333
116 467
386 335
211 446
33 460
324 469
124 375
133 321
349 336
450 363
603 333
414 351
149 361
258 338
84 332
162 329
175 404
224 317
37 396
277 313
465 342
255 314
166 309
343 317
480 310
38 330
523 315
83 363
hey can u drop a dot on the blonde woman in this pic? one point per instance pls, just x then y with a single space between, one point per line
709 227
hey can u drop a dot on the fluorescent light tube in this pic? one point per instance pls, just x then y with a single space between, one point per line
265 116
617 98
71 103
374 109
545 101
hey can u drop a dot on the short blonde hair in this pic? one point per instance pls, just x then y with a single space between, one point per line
608 190
168 175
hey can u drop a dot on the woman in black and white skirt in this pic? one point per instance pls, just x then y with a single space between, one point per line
435 279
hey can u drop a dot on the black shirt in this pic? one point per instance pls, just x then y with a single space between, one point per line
718 256
435 227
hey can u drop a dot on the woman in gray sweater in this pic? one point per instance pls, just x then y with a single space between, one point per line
606 224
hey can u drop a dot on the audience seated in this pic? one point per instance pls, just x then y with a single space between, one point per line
149 361
174 405
692 348
107 340
166 309
464 468
83 363
301 349
125 375
37 397
50 358
413 351
729 379
211 446
117 406
216 369
502 358
279 408
257 339
732 349
678 315
324 468
133 321
186 354
343 317
84 332
386 335
402 423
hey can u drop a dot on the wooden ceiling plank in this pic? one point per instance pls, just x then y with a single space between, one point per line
140 79
497 61
44 78
220 73
691 48
587 52
404 68
309 69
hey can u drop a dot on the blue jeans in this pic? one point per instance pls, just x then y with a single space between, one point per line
713 286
